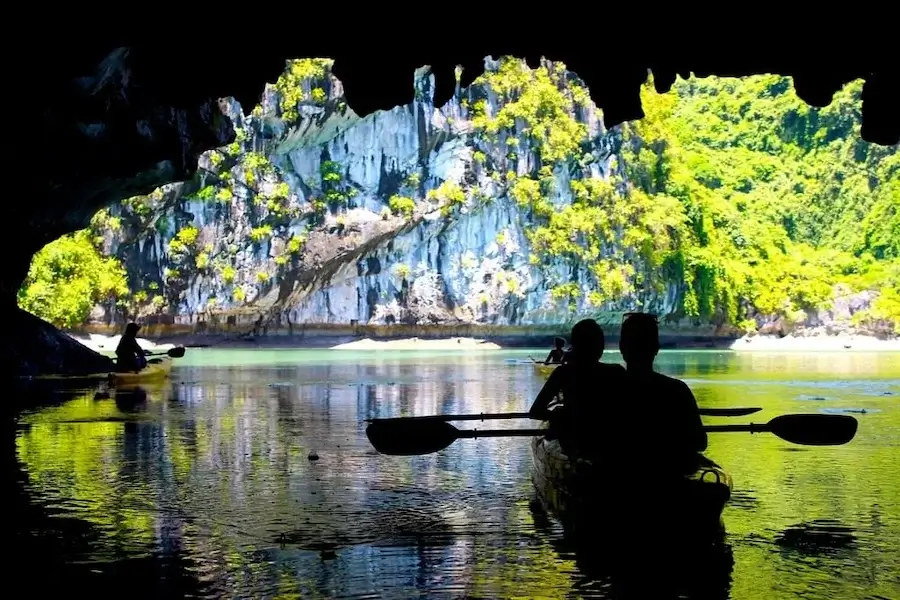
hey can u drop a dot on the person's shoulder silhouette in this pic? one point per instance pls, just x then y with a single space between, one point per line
582 380
675 420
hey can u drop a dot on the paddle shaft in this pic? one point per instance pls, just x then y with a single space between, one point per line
149 355
712 412
543 362
176 352
475 433
749 428
728 412
472 417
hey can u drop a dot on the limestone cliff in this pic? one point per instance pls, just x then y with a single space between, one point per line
317 216
511 206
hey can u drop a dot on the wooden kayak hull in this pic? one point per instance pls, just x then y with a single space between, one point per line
578 490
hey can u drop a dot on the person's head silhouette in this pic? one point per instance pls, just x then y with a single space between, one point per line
639 340
560 342
132 329
588 341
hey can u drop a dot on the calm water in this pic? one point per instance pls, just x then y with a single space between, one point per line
205 486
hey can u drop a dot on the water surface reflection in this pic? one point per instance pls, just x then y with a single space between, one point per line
209 481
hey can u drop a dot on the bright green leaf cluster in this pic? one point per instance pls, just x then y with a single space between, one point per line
299 83
68 277
401 205
534 105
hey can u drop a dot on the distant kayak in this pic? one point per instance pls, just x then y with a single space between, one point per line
544 370
157 369
154 371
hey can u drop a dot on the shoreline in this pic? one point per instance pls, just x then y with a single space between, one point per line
415 343
838 343
820 343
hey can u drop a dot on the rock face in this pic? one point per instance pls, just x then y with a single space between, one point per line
837 320
409 216
418 217
126 117
34 347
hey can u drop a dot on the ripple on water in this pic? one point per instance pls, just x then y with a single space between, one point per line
849 411
212 474
743 500
818 537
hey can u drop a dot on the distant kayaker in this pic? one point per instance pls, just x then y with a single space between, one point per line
558 354
582 381
670 420
129 354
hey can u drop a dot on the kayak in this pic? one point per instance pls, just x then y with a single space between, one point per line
155 370
544 370
575 489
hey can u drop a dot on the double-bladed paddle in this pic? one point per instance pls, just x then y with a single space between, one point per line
425 436
176 352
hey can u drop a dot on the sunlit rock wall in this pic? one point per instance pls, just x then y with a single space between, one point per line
293 225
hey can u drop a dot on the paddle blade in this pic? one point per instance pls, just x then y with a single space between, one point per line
177 352
814 429
410 438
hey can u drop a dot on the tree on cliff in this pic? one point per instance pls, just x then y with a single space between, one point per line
68 278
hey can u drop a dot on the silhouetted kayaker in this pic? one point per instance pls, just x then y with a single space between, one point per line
670 420
129 354
558 354
582 381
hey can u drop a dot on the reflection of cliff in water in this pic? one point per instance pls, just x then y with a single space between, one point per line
210 477
56 553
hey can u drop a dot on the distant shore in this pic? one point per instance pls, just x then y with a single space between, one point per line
415 343
819 343
432 341
757 343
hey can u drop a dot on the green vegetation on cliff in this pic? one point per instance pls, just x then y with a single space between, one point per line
754 201
778 196
68 278
732 202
